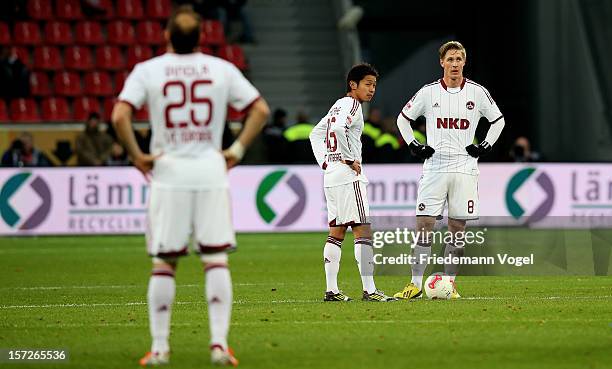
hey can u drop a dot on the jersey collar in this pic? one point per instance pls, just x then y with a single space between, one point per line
446 87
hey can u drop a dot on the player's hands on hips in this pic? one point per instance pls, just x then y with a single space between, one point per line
355 165
230 159
479 150
144 163
421 151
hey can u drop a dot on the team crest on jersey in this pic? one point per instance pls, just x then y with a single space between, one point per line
470 105
421 206
408 106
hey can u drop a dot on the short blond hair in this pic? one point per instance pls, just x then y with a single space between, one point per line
451 45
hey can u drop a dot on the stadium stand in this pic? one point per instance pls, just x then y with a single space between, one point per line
79 61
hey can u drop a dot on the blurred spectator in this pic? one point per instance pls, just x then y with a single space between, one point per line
372 129
276 145
14 75
521 151
118 156
236 22
298 141
22 153
93 147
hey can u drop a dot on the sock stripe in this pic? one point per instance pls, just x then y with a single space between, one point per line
334 241
214 265
163 272
363 241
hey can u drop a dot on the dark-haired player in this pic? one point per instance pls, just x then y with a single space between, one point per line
187 94
336 143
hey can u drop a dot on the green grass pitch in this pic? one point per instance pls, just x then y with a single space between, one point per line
88 295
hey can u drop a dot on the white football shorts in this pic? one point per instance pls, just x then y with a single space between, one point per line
459 190
174 216
347 204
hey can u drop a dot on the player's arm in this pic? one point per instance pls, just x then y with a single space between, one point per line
256 120
317 143
412 110
122 121
491 111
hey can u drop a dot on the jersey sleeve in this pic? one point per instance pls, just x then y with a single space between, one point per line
241 92
415 107
134 90
487 107
317 143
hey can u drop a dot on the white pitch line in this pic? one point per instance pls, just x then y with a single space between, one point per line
144 286
290 301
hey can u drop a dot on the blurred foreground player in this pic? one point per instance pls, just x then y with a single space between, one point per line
452 107
336 143
187 94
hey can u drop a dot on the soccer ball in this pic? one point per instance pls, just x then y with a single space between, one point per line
439 286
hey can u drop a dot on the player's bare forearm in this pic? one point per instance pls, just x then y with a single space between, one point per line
122 121
255 122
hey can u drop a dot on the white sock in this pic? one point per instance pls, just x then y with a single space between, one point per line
160 296
219 298
331 257
364 254
418 268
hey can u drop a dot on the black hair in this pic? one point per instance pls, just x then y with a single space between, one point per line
184 39
359 72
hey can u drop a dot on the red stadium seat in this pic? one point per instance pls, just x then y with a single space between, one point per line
24 110
58 33
78 58
110 58
67 84
120 78
109 103
89 33
130 9
138 54
39 84
120 33
212 33
3 112
24 55
47 58
206 50
68 9
158 9
40 9
233 54
98 84
151 33
26 33
55 109
5 35
108 6
83 106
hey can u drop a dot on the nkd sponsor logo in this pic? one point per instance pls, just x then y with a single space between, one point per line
273 182
17 215
517 181
104 204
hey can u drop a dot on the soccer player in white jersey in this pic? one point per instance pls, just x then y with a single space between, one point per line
336 144
452 107
187 94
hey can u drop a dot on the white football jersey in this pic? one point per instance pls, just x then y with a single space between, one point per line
187 97
452 116
337 137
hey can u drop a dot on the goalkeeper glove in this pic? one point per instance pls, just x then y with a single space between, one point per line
421 151
479 150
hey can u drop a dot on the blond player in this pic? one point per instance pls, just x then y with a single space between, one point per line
187 94
452 107
336 144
